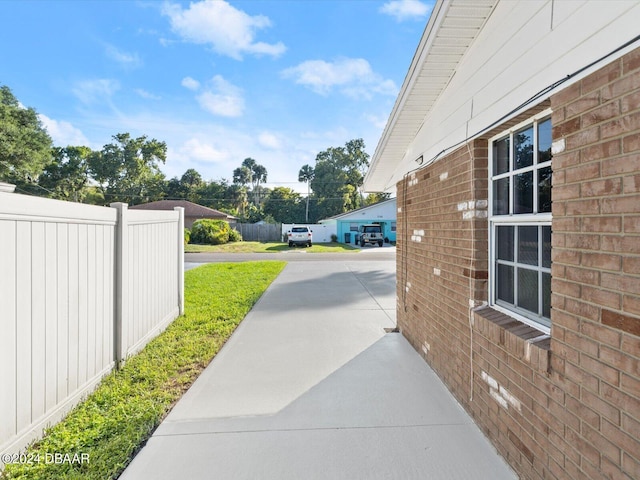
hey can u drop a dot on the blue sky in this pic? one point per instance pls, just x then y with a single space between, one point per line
218 81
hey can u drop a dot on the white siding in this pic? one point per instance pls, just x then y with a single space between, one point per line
523 47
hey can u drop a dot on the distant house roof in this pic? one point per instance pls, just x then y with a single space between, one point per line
190 209
351 212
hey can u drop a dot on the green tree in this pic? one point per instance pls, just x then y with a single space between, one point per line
185 188
215 194
284 205
25 145
305 175
375 198
128 169
191 180
252 214
66 177
173 189
242 176
237 195
250 173
338 175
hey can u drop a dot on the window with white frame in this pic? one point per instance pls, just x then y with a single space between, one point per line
520 221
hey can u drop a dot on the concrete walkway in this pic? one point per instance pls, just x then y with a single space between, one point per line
310 386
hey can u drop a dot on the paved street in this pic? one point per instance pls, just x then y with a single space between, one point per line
366 254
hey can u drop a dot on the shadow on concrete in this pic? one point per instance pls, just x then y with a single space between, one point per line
305 288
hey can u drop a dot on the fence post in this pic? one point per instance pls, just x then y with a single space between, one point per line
119 280
180 247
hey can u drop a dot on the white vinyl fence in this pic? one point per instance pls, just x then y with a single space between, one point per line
321 232
81 288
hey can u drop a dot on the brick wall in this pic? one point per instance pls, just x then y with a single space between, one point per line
437 248
596 268
568 406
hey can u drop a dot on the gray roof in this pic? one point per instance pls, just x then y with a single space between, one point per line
190 209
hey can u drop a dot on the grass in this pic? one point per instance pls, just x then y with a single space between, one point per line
268 247
113 423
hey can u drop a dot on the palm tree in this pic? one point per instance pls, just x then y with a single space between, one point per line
238 196
259 176
305 175
251 173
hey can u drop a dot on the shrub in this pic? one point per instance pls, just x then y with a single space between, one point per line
212 232
334 237
235 236
187 235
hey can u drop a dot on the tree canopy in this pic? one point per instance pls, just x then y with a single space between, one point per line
25 145
305 175
67 177
252 174
338 176
128 169
284 205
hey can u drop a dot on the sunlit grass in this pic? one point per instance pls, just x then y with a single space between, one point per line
112 424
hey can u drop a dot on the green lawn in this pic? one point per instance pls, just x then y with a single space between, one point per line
268 247
112 424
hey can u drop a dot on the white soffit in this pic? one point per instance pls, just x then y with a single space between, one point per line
452 28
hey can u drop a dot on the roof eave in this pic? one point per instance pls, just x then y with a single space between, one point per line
432 67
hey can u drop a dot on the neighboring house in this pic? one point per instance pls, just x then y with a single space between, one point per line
525 299
192 211
346 224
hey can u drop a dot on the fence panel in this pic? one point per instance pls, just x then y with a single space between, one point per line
48 293
151 258
58 277
265 232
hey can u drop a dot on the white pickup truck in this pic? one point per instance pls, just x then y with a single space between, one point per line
300 236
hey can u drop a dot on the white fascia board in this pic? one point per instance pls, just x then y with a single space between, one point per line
509 63
428 36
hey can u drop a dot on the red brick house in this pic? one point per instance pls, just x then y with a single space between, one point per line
514 151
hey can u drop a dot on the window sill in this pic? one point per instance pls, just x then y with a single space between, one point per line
525 342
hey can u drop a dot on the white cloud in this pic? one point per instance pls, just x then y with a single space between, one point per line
406 9
227 30
377 121
354 76
190 83
146 95
129 60
92 91
269 140
200 151
222 98
63 133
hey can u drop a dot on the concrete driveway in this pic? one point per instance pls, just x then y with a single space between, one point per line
311 386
